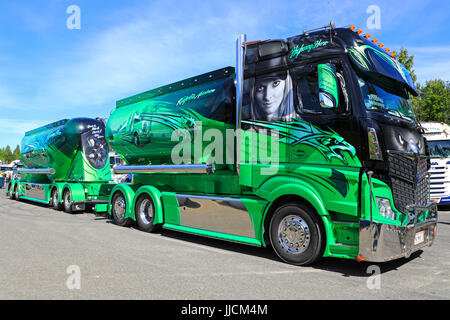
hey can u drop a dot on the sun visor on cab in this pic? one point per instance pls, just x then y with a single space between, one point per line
381 69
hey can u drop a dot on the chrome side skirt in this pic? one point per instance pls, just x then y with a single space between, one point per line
34 190
218 214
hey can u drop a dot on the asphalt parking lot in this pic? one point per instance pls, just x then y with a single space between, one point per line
48 254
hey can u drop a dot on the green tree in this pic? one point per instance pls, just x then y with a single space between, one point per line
408 61
16 153
8 155
433 102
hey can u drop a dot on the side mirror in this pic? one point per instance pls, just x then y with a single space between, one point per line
328 86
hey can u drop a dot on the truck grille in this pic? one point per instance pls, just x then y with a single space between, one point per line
409 178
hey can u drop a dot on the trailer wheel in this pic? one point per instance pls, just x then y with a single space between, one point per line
10 191
296 234
119 209
67 201
16 192
54 203
144 211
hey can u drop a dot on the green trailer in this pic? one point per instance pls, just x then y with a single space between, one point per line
309 145
65 165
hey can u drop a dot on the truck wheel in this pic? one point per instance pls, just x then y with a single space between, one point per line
144 211
119 209
296 234
54 203
67 201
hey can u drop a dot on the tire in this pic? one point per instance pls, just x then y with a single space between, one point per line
144 211
67 199
119 209
16 192
54 201
10 192
296 234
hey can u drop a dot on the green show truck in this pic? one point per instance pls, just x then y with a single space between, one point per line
308 145
65 165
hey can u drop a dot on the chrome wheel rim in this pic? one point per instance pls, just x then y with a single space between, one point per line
55 199
67 200
146 211
119 207
294 234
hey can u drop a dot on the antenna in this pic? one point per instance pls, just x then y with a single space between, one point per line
331 27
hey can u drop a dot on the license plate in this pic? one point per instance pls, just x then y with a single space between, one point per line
419 237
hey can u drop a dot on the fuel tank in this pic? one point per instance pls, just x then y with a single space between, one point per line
73 149
145 128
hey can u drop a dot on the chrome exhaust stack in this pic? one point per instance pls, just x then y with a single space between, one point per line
49 171
182 168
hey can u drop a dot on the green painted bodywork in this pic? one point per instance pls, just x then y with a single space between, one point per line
279 162
313 165
58 146
62 146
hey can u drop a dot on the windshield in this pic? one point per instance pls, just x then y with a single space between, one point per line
378 99
439 149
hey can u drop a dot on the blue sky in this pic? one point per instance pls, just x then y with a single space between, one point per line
49 72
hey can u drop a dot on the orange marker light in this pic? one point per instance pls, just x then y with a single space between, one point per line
367 36
359 31
352 27
393 54
381 45
387 50
375 40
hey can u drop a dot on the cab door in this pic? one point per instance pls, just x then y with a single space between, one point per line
323 148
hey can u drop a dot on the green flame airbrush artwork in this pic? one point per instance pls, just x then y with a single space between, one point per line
298 132
65 162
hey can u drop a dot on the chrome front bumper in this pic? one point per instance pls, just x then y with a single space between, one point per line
382 242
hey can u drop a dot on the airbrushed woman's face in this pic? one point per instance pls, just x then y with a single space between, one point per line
269 95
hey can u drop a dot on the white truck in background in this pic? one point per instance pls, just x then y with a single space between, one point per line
438 140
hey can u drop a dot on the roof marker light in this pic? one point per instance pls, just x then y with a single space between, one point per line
374 41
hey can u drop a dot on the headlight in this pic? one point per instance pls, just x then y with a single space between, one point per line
384 206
